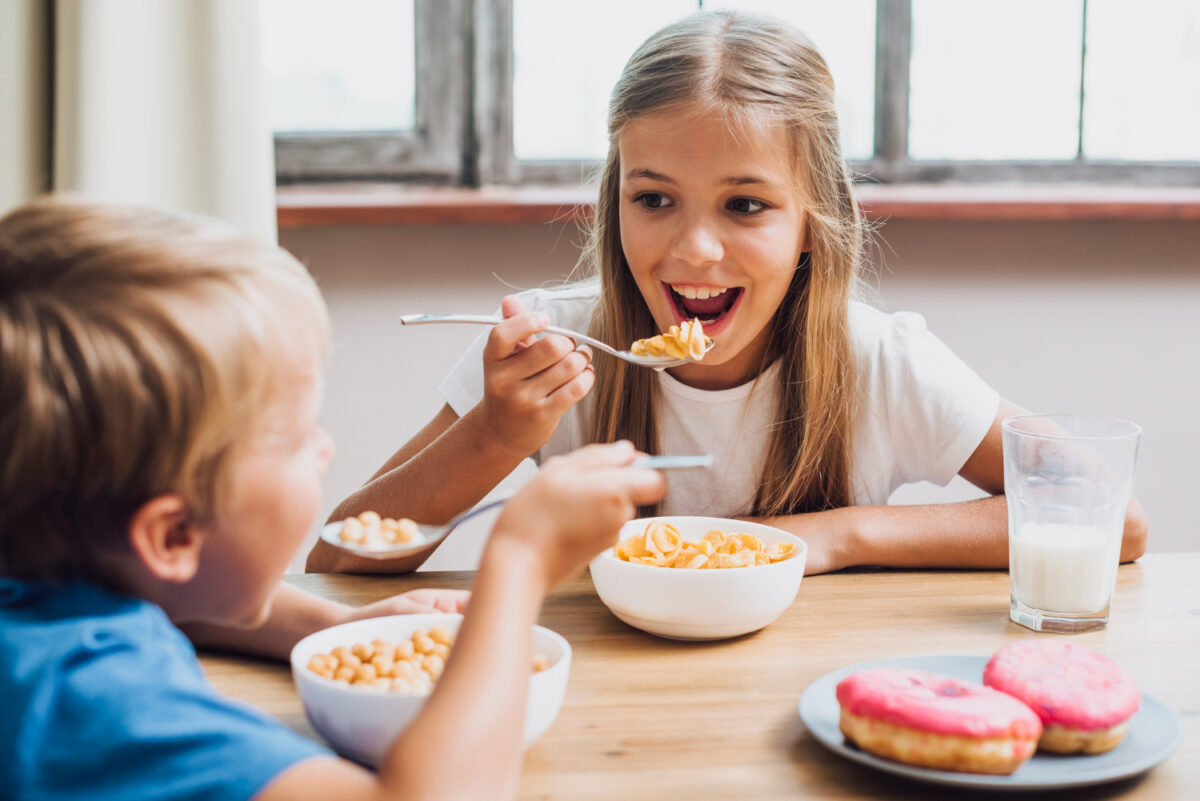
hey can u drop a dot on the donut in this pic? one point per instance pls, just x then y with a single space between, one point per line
1083 698
934 721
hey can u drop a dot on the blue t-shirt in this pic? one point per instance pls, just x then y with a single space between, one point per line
101 697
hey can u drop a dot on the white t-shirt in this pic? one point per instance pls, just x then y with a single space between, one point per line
921 411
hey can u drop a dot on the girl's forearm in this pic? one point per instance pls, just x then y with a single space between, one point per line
294 615
429 484
467 742
445 477
968 534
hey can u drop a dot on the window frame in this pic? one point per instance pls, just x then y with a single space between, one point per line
463 132
433 151
892 164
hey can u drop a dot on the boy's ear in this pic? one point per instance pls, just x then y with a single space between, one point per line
163 537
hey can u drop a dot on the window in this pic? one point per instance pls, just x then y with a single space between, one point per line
515 91
367 88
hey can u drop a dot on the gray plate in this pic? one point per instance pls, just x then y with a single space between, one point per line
1154 734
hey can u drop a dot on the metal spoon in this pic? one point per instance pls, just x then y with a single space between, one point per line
654 362
431 535
427 536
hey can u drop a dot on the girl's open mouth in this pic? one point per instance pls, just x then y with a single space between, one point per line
710 305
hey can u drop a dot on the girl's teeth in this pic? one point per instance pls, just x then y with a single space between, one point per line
699 293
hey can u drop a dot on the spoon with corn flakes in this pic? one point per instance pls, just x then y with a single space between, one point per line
678 346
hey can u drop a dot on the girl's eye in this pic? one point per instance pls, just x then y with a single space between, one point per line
652 200
745 205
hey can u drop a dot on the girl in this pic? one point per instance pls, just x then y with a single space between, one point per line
725 198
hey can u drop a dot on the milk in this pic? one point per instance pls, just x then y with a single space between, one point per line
1063 567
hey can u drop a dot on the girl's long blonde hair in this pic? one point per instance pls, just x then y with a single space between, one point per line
758 71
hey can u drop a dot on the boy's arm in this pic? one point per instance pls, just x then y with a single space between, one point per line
467 740
969 534
295 614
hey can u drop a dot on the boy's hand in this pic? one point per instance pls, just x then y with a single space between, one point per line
529 383
574 508
414 602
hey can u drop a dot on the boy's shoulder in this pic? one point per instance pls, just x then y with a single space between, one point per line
99 684
77 643
53 621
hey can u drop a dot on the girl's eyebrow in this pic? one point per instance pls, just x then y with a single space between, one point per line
642 172
737 180
740 180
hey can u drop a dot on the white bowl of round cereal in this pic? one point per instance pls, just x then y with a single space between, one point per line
361 719
664 579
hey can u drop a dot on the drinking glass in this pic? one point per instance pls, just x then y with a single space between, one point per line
1068 479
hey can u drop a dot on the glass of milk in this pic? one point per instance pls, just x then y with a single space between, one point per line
1068 479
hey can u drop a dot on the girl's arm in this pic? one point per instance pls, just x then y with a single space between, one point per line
453 462
447 467
296 614
970 534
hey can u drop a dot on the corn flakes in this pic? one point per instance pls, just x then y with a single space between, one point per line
661 545
681 341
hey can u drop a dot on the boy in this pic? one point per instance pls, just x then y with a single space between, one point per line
159 388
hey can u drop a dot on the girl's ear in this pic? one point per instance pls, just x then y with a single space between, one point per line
163 537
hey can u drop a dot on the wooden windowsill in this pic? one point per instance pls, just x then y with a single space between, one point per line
312 205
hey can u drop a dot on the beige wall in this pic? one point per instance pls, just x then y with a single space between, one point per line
1089 317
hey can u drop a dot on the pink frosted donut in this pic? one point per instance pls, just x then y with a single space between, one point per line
1083 698
936 721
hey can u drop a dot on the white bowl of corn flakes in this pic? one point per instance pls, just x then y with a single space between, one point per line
361 704
699 578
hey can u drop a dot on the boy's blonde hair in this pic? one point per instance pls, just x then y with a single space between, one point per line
751 71
137 350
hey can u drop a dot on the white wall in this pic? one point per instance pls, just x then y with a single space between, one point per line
1088 317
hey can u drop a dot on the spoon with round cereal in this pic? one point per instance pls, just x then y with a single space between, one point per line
376 537
683 344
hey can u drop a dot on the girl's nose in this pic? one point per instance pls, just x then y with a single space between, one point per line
697 243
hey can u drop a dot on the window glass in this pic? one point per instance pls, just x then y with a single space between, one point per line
995 81
844 33
566 58
560 112
1142 90
334 67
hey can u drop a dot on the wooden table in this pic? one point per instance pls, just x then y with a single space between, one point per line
647 718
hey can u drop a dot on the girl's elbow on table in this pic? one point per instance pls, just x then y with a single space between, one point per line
1137 532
